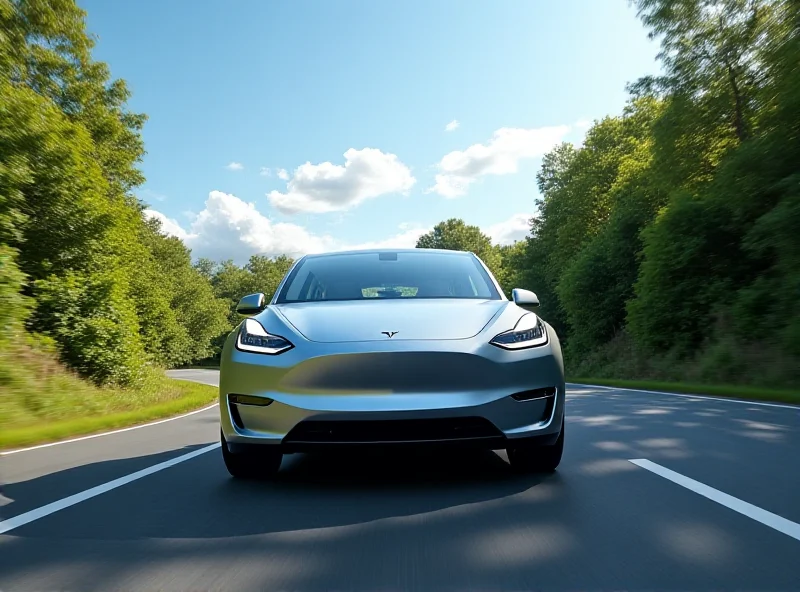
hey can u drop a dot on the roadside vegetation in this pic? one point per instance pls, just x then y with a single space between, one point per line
665 247
43 401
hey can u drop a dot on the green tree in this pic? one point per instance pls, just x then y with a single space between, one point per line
596 285
180 313
456 235
725 90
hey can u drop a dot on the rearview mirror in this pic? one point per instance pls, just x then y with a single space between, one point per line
251 304
524 298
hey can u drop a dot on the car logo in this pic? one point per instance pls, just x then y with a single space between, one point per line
389 334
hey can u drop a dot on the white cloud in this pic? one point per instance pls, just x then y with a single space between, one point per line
500 156
168 225
265 172
283 175
235 166
583 124
327 187
506 232
452 126
229 228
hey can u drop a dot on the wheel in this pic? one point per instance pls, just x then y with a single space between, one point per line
537 459
259 464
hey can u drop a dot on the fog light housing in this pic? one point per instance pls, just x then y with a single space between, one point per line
249 400
542 393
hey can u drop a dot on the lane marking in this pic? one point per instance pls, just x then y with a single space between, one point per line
136 427
758 514
690 396
38 513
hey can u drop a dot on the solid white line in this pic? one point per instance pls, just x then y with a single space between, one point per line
689 396
33 515
759 515
136 427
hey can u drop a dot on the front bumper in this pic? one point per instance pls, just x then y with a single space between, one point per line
413 392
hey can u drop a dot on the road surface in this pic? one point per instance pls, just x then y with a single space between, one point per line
712 502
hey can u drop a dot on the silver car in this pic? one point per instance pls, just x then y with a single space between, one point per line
390 348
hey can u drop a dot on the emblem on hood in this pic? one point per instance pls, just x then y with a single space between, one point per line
389 334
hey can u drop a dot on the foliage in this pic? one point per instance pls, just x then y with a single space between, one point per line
40 401
706 260
115 294
456 235
667 246
13 305
93 322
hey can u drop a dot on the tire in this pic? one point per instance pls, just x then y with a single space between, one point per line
260 464
537 459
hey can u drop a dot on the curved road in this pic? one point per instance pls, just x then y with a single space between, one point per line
711 502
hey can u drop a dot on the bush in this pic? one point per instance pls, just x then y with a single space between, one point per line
95 325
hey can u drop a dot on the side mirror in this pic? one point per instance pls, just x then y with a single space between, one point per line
524 298
251 304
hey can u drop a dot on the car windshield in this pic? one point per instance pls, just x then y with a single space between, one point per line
387 275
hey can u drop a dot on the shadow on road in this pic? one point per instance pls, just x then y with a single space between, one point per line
310 491
438 520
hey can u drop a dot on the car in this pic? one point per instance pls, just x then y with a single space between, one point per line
374 348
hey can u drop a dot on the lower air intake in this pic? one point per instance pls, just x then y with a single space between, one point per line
392 431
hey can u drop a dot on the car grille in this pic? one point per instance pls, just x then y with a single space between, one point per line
391 431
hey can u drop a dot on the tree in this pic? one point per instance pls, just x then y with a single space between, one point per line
711 53
456 235
596 285
183 315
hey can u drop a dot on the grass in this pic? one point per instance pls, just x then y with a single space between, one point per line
724 367
42 402
718 390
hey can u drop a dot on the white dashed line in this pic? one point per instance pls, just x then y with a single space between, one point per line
52 508
758 514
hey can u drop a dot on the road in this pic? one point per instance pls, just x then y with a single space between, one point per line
439 521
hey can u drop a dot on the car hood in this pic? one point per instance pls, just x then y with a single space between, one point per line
332 322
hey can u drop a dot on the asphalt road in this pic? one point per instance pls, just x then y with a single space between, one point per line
422 522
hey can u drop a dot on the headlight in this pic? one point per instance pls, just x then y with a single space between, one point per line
529 332
254 338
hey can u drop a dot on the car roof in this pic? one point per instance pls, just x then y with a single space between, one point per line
376 251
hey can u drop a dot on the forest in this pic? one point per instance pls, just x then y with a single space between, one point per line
665 246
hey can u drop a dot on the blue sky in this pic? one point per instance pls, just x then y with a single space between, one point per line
369 88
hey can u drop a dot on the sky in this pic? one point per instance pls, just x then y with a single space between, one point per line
291 127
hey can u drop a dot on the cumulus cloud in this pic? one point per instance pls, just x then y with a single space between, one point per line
453 125
506 232
327 187
235 166
283 175
499 156
230 228
265 172
168 225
